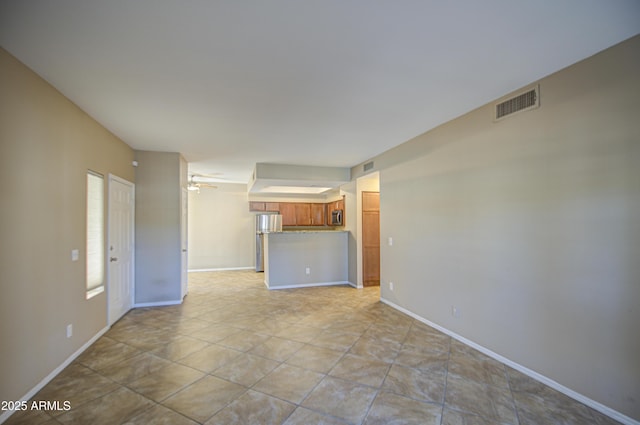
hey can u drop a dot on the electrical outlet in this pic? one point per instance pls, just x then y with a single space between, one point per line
391 286
307 270
69 331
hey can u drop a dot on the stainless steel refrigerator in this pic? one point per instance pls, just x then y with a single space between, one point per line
265 223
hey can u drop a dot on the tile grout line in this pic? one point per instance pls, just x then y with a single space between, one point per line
380 389
446 382
513 399
172 362
155 403
153 318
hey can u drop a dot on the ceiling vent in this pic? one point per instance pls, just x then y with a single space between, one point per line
521 102
368 166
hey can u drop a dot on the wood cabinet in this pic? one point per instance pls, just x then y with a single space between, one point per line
264 206
288 212
331 206
335 205
310 214
272 206
371 201
318 213
370 238
257 206
303 214
300 213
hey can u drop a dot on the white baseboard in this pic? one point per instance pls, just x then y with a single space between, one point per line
220 269
306 285
157 304
614 414
33 391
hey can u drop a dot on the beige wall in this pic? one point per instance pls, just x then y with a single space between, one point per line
289 254
221 228
530 227
47 144
351 223
159 176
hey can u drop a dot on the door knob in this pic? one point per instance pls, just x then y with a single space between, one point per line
112 259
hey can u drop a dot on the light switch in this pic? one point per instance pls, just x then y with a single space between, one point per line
390 241
74 255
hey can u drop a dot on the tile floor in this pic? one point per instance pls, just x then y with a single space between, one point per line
236 353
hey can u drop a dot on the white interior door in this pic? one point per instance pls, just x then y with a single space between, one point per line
121 247
184 242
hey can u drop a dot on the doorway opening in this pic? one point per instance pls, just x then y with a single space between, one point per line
368 232
370 238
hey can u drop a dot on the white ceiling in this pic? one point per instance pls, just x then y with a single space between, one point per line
229 83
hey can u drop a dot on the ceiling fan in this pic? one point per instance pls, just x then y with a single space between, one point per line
200 181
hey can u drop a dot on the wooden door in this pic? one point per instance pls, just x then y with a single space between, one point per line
370 238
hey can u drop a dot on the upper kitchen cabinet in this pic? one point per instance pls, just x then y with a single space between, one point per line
257 206
333 206
303 214
264 206
310 214
288 212
299 213
318 214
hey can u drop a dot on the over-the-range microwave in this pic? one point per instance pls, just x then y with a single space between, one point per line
336 218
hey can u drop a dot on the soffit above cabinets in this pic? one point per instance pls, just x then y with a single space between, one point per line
296 179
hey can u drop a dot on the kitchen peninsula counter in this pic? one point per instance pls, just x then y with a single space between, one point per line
299 258
313 231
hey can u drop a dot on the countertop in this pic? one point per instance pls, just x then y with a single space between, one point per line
312 231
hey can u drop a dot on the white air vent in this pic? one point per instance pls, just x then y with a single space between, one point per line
368 166
521 102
